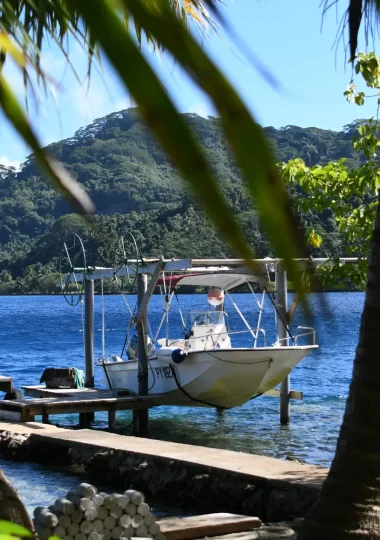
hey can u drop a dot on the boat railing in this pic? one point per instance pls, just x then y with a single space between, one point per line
306 331
214 338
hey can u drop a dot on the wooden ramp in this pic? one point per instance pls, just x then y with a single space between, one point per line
83 402
193 527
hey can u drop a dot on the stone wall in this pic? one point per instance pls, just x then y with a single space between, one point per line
196 488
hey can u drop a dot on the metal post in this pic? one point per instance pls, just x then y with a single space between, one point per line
141 417
89 332
282 306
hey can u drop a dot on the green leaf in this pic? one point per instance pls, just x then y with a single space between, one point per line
316 240
158 111
8 528
244 135
6 537
61 178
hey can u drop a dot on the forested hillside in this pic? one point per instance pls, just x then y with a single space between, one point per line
135 188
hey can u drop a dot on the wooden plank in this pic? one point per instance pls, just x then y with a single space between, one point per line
67 405
148 293
40 390
293 394
192 527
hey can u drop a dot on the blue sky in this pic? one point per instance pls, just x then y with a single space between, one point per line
287 38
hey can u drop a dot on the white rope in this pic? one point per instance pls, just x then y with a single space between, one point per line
126 303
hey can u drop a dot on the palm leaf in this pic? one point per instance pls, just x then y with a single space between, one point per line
245 136
161 115
61 178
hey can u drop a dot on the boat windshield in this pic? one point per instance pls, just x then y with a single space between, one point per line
202 318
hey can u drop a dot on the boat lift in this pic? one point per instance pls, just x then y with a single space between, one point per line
83 277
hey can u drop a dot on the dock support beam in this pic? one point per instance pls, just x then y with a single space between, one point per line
89 332
282 306
141 418
89 379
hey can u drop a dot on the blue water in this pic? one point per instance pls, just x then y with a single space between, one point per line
37 332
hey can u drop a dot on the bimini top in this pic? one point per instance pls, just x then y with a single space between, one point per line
223 280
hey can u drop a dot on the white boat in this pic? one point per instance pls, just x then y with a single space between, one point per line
202 368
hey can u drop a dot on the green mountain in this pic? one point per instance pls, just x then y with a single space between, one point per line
135 188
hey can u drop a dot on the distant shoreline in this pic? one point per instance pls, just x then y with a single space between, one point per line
183 293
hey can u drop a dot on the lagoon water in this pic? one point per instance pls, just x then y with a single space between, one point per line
44 331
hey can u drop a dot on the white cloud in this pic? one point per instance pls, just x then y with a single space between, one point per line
97 101
4 160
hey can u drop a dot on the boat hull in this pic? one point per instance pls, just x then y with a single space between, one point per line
284 360
222 378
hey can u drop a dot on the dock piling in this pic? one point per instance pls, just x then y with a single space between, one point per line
89 332
141 417
89 343
112 420
282 306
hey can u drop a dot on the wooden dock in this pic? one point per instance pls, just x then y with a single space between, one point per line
84 402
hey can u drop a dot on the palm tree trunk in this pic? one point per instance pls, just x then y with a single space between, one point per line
349 503
11 506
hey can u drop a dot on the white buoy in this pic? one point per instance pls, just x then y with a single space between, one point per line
109 502
128 532
98 525
43 532
130 509
137 520
76 516
116 532
46 518
154 529
64 506
122 501
105 534
125 520
149 519
85 504
143 509
86 527
80 536
94 536
116 512
109 523
59 531
135 497
102 513
73 529
142 530
86 490
64 520
91 514
98 500
68 537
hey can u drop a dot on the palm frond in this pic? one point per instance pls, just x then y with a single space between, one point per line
359 12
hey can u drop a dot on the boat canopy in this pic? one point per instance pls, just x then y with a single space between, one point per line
225 281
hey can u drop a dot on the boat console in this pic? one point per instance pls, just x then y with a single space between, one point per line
207 330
